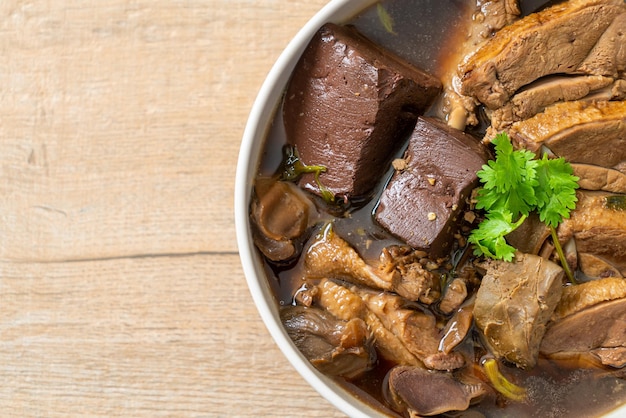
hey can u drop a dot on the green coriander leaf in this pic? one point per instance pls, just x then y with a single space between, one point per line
385 18
509 180
555 190
488 238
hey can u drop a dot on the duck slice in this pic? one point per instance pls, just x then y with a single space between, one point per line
585 295
579 131
593 177
534 98
608 57
600 330
555 40
598 225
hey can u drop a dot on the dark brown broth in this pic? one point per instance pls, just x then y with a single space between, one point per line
422 30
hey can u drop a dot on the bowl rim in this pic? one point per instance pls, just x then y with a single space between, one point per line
261 114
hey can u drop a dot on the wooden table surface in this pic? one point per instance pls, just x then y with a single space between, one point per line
121 289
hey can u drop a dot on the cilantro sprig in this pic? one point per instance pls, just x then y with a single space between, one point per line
515 184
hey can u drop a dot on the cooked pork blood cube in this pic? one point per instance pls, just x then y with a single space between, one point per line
421 204
349 106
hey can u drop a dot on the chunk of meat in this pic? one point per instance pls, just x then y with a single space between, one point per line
414 279
608 56
280 213
598 227
530 236
333 346
553 41
514 303
599 329
593 177
585 295
453 296
423 203
457 327
596 267
579 131
329 256
345 304
488 17
424 393
403 333
416 328
348 107
534 98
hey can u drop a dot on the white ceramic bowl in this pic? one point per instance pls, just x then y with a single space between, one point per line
261 115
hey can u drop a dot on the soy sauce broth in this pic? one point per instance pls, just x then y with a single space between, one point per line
427 33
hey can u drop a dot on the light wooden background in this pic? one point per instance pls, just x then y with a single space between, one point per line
121 292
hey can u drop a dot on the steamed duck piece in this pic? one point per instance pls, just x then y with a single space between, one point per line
514 303
556 40
421 392
422 202
598 226
280 214
534 98
348 107
330 256
593 177
590 319
580 132
403 332
333 346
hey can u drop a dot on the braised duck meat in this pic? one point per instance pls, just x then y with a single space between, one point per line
556 40
421 392
598 226
590 319
403 332
608 56
535 97
580 132
514 303
335 347
423 201
593 177
330 256
488 17
349 105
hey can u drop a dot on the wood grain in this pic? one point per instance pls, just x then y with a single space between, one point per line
121 290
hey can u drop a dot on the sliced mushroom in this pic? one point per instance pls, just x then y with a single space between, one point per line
333 346
281 213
